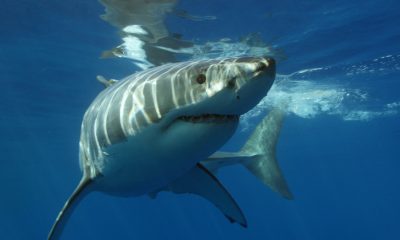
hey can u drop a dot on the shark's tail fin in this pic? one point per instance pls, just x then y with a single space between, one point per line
262 145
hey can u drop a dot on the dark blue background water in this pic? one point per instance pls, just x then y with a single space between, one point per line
344 174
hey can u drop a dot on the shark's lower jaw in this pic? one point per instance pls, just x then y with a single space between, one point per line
209 118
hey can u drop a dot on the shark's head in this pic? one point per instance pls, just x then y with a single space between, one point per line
214 91
201 102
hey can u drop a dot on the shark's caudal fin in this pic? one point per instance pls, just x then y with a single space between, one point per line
262 144
258 154
81 190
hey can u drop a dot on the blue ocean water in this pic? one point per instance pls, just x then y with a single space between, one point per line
339 147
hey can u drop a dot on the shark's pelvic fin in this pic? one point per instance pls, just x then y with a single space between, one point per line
81 190
258 154
201 182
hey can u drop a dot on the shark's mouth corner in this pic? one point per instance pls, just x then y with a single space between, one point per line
209 118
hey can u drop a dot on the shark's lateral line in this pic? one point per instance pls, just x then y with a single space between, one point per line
160 130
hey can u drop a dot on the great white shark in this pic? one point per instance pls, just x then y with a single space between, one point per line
160 130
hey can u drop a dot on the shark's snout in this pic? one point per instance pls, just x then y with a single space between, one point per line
270 61
271 65
266 65
250 90
256 66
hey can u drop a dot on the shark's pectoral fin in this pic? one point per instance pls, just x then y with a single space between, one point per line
203 183
81 190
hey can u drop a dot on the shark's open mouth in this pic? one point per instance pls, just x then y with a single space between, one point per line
209 118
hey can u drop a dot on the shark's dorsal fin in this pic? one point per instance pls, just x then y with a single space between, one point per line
201 182
81 190
105 82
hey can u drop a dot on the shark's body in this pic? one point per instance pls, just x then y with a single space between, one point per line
160 130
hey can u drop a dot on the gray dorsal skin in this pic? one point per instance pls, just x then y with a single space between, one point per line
258 155
150 129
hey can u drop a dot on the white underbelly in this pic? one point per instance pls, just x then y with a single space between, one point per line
151 160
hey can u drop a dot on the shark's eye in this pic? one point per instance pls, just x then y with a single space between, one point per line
201 78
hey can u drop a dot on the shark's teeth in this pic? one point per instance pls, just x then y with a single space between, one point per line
209 118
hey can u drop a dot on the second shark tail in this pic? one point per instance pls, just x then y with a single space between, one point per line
262 146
